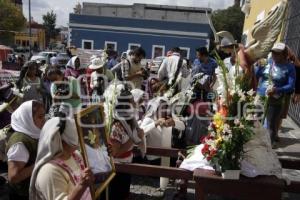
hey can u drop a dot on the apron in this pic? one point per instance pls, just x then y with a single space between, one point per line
74 178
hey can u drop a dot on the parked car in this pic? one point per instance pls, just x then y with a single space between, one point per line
44 56
155 64
20 49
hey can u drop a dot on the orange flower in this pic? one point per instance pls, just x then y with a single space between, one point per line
223 110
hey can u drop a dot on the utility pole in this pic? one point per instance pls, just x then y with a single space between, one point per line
29 7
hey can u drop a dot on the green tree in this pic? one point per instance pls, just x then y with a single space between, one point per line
49 25
11 19
230 19
237 2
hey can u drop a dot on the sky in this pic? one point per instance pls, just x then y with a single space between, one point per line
62 8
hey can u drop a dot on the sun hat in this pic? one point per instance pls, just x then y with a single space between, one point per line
97 63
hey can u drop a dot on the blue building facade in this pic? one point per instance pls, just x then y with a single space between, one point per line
121 34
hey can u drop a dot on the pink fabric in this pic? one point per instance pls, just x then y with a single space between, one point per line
72 72
75 178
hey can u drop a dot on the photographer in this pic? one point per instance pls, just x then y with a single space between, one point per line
131 68
64 90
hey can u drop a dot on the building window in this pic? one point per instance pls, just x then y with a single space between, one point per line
158 50
18 42
110 45
133 46
87 44
185 52
23 43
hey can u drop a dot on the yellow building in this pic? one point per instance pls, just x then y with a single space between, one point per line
255 10
38 38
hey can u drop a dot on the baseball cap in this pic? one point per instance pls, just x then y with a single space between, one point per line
278 47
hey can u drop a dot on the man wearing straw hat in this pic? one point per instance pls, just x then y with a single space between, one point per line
100 78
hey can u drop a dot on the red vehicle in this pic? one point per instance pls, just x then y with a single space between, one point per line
4 53
8 59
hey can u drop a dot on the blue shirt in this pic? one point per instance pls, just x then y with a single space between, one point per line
283 78
111 63
206 68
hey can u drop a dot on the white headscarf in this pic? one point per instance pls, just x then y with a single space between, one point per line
54 60
50 145
137 94
71 62
22 120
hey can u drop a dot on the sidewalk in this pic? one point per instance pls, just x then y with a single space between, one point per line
289 147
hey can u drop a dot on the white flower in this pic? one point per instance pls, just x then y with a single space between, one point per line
237 121
226 129
251 92
256 100
243 98
269 88
211 143
241 95
210 127
213 134
242 126
232 92
240 92
227 137
250 117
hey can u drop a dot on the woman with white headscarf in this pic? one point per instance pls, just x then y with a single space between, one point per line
138 97
77 71
73 67
157 125
27 122
59 171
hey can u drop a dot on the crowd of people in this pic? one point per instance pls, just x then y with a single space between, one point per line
42 153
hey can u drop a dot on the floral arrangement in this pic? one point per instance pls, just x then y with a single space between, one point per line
232 126
223 146
111 94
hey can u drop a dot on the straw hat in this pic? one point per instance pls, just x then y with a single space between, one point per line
97 63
